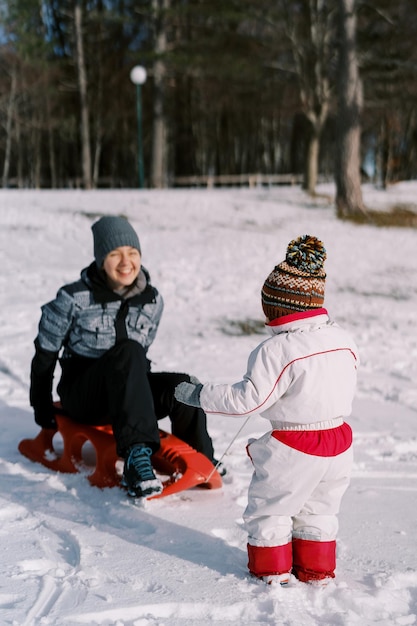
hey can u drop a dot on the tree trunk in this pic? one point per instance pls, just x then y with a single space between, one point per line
82 83
186 156
10 112
348 182
21 184
51 145
312 161
159 129
99 97
98 142
37 156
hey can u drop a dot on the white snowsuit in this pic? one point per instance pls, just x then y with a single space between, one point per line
303 380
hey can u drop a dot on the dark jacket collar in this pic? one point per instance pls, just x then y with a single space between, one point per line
96 282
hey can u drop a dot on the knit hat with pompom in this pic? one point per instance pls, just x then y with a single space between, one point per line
296 284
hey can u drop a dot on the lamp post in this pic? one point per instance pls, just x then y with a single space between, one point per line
138 77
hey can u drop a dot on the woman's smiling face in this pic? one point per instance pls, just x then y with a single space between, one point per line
122 266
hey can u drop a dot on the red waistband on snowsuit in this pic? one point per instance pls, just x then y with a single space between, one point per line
329 442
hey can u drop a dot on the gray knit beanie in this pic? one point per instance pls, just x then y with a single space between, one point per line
111 232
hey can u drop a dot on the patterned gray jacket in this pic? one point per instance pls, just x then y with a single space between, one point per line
85 320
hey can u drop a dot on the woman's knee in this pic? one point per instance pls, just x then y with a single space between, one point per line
128 351
128 345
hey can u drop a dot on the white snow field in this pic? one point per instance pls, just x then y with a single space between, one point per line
74 554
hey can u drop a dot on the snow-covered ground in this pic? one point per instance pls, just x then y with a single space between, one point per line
73 554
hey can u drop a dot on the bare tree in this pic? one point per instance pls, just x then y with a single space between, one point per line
159 128
311 35
82 82
347 174
9 120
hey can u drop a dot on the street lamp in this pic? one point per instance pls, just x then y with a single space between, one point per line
138 77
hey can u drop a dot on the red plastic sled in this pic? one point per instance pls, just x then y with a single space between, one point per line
184 466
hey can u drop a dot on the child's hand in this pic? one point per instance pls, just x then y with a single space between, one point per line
188 393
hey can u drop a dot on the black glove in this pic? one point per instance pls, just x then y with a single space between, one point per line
45 417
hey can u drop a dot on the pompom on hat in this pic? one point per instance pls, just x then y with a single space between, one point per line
111 232
297 284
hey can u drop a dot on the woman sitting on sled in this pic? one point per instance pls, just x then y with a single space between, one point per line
101 327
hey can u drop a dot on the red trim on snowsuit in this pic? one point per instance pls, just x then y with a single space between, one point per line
258 408
313 560
329 442
265 561
294 317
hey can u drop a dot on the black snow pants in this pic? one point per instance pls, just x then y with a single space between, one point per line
119 388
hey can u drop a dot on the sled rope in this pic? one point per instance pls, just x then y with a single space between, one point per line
227 449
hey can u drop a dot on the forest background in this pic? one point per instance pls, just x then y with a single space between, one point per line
234 88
